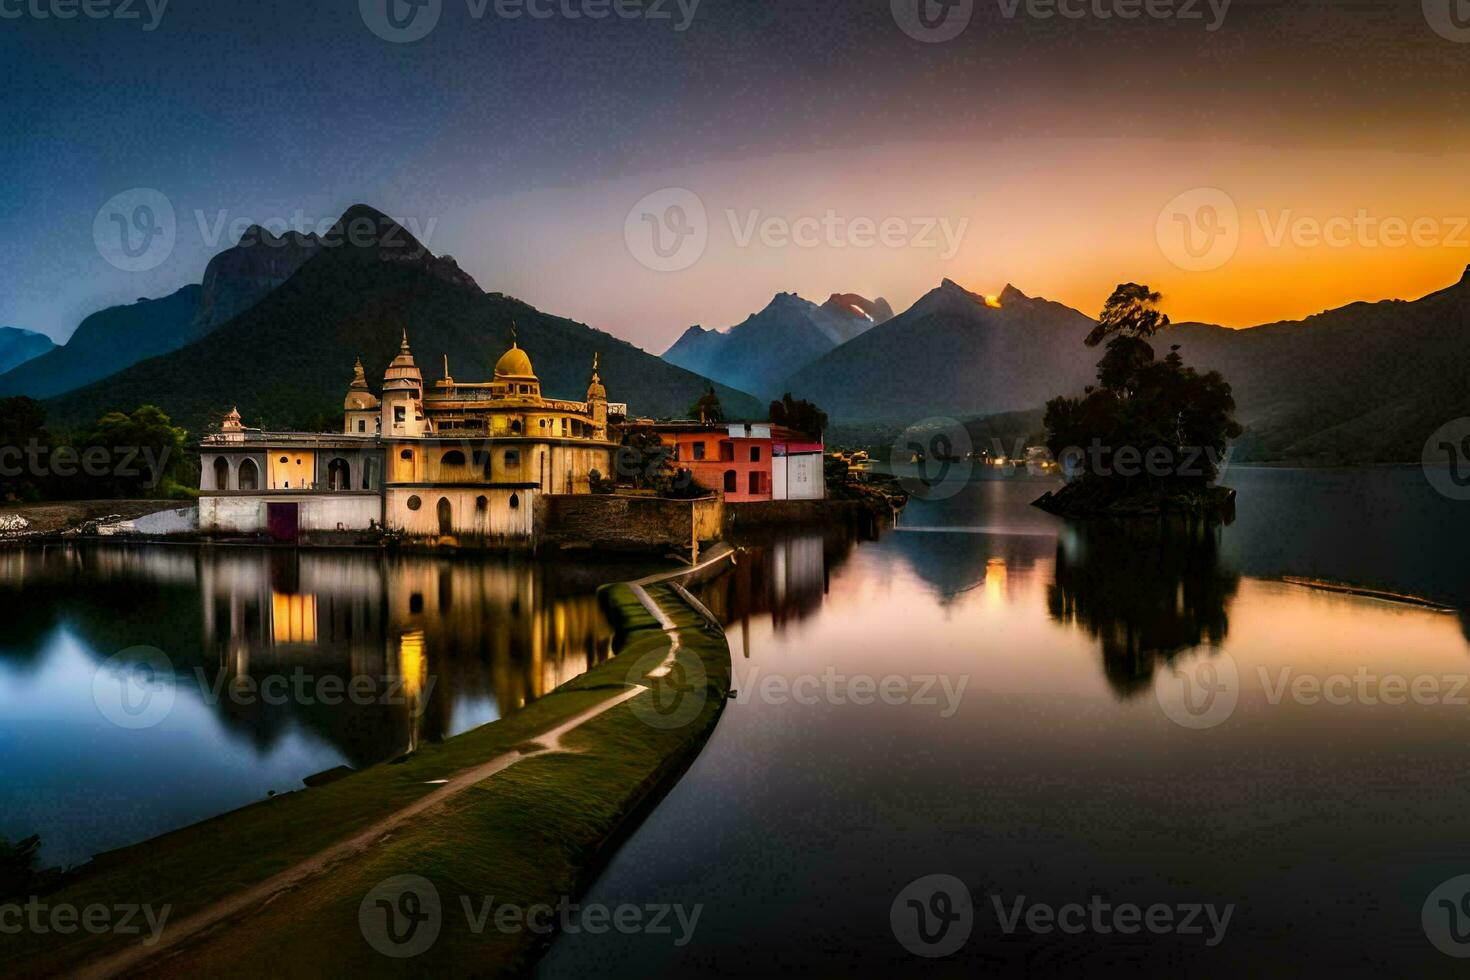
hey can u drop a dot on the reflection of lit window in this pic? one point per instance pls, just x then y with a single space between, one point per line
293 618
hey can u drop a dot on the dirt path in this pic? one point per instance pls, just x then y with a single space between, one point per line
242 902
548 742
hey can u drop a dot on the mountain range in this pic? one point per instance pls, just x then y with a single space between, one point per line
18 346
1365 383
287 360
953 353
760 353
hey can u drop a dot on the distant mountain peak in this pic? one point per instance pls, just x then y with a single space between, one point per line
851 304
1012 295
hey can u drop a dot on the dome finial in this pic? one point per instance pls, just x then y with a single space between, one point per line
404 346
514 335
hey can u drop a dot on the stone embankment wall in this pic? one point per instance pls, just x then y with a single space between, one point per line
617 522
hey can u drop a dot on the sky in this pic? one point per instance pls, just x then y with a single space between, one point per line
672 163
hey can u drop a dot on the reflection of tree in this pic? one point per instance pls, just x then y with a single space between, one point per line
1145 593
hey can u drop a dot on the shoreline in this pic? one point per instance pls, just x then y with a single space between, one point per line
528 809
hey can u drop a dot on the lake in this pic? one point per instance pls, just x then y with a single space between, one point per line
1149 726
146 688
1055 749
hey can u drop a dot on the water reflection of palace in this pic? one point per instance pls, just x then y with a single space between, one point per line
443 644
437 646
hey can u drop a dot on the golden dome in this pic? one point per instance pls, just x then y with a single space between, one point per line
514 364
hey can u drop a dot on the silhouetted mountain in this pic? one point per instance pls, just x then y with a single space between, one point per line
238 277
759 353
1368 382
18 346
106 342
953 354
288 359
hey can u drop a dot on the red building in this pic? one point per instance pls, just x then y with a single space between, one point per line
747 462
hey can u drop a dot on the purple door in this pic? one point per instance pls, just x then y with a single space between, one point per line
281 521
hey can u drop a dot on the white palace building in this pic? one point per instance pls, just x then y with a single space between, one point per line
462 461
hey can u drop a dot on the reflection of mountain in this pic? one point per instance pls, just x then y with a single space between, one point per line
957 562
1144 593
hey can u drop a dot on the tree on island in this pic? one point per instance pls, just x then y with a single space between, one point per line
1148 437
799 414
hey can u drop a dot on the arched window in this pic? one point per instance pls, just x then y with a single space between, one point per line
446 516
452 458
249 478
339 475
482 504
515 501
515 427
407 454
221 473
730 481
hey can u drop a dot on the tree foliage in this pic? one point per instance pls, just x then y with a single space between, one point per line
1143 406
799 414
708 408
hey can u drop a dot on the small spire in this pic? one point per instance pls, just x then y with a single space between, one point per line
514 334
446 367
404 347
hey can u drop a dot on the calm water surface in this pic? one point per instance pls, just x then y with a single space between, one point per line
1123 734
1080 714
263 650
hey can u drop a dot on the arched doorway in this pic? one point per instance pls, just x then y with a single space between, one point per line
339 475
249 475
446 517
221 473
